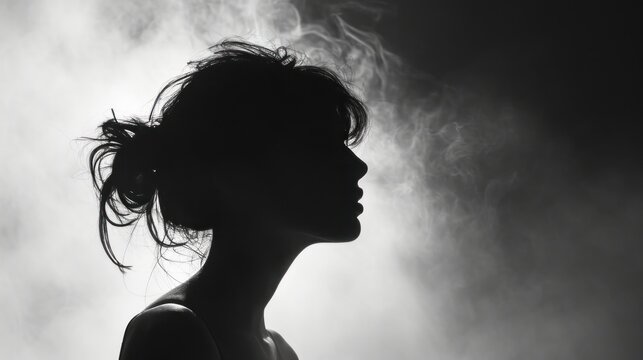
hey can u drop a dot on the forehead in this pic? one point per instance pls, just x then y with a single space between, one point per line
325 123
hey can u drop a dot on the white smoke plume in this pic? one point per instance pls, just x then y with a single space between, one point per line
437 272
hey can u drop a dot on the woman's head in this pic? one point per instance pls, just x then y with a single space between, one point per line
248 137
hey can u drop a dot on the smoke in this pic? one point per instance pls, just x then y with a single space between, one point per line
481 238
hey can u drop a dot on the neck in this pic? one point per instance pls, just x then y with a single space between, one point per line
241 274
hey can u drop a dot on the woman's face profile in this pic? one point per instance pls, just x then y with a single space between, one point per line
306 184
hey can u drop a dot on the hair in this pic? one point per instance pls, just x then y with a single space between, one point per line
241 94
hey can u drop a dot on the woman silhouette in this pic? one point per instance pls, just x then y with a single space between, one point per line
254 147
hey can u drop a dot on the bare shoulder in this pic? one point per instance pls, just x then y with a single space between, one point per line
168 331
285 350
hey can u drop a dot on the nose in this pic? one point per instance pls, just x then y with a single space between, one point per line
359 166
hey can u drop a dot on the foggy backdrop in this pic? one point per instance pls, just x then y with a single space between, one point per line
502 205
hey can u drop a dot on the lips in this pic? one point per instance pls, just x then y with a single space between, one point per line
359 194
359 208
349 196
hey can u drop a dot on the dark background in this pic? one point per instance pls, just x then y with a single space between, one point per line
576 65
571 222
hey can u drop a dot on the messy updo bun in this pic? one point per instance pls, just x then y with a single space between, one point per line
130 189
243 94
134 165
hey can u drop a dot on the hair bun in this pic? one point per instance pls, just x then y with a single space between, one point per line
131 185
134 167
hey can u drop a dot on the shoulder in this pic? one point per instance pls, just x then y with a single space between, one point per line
168 331
285 350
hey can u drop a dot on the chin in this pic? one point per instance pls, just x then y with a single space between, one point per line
341 233
327 225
